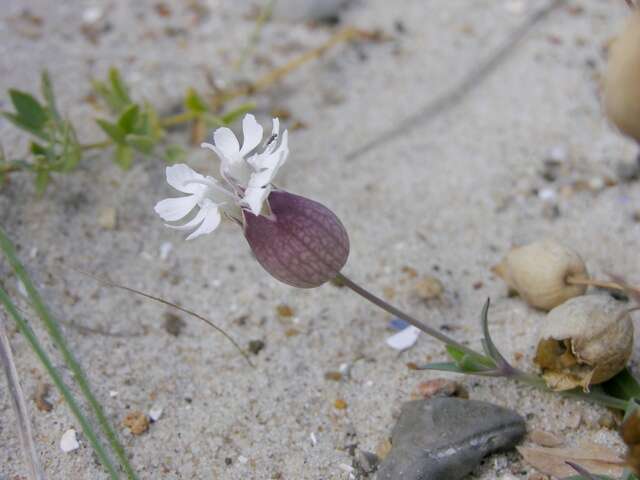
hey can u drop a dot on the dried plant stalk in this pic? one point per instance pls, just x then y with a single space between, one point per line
20 406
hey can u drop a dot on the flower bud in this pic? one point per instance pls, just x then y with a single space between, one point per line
301 243
538 272
586 340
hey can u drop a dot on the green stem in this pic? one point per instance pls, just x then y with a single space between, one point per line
56 335
177 119
367 295
26 331
96 145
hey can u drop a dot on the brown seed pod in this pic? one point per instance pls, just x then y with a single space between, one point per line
586 340
622 80
538 273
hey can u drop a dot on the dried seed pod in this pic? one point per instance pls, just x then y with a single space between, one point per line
586 340
538 273
622 80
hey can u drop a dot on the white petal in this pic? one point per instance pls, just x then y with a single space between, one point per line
254 197
276 127
404 339
210 223
252 133
173 209
226 142
178 176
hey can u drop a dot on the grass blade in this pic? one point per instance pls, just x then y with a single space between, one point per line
70 400
20 406
56 335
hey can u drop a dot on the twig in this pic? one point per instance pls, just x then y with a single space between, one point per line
108 283
277 73
265 14
20 406
469 83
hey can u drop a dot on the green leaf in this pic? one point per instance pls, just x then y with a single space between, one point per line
37 149
174 153
71 149
442 367
119 88
124 156
20 123
28 109
194 103
230 117
42 180
128 119
474 362
142 143
113 131
149 123
49 97
624 385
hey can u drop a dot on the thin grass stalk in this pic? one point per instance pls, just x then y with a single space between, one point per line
58 338
26 331
20 406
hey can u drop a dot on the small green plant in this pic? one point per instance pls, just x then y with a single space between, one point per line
133 128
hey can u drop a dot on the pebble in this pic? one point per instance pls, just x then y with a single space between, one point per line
404 339
429 288
440 387
137 422
69 441
108 218
155 413
446 438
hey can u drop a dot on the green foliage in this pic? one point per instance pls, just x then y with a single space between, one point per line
133 128
56 148
113 92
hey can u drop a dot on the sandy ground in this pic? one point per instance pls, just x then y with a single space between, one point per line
446 199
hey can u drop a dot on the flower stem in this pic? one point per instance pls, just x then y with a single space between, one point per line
96 145
177 119
367 295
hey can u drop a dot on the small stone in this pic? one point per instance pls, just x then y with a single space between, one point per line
155 413
607 420
545 439
165 250
108 218
334 376
429 288
340 404
69 441
383 448
367 462
574 420
537 476
446 438
173 324
636 216
439 387
255 346
137 422
284 311
40 397
628 171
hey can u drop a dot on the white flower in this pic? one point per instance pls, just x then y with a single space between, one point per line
247 179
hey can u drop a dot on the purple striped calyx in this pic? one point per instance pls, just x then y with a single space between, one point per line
301 243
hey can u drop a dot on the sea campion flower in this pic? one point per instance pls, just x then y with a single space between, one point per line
297 240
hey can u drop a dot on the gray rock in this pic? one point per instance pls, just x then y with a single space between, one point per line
446 438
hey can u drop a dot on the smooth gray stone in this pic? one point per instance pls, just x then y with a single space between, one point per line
446 438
